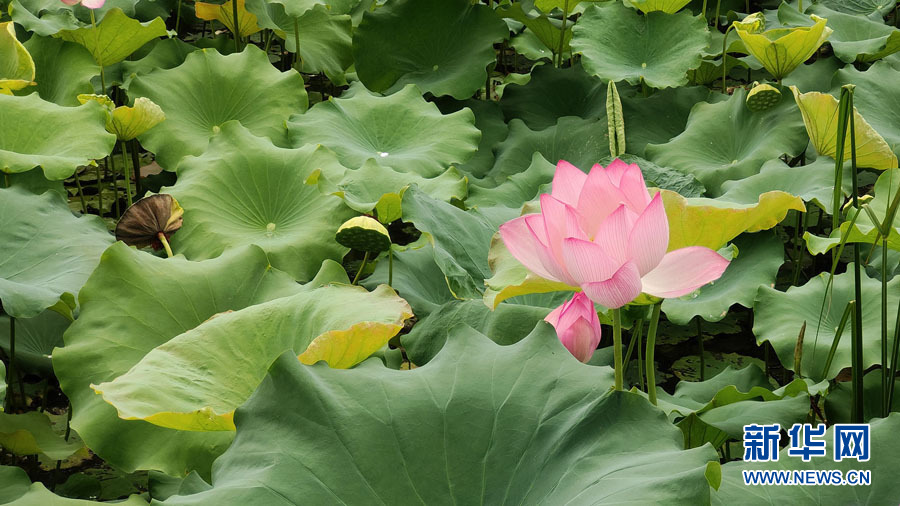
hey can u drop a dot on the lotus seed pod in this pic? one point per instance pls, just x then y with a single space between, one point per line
762 97
364 233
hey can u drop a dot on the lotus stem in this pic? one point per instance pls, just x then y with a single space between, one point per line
716 19
100 190
703 10
635 336
362 266
237 28
80 193
640 353
700 342
617 348
10 372
725 55
885 407
892 373
99 60
165 243
6 178
562 34
111 159
837 337
136 164
650 361
127 170
178 18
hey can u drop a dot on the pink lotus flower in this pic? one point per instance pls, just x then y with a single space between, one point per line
90 4
603 233
577 326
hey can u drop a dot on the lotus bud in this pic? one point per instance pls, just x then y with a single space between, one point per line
364 233
577 326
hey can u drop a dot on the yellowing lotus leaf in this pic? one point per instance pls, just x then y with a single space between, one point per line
667 6
820 115
129 122
16 65
754 23
714 222
781 50
224 13
115 37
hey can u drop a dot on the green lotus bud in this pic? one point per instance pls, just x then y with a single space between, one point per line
762 97
364 233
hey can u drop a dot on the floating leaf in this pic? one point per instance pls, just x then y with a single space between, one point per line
196 380
617 43
401 131
133 303
16 65
60 149
820 114
268 204
442 46
115 37
50 252
781 50
778 317
544 424
725 140
209 89
224 13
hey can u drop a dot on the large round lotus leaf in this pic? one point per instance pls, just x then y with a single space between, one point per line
60 149
48 17
35 339
48 252
759 257
443 46
165 54
864 7
417 278
16 489
876 98
64 69
402 131
659 117
778 316
581 142
133 303
725 141
517 189
813 183
553 93
115 37
209 89
884 488
268 202
544 33
854 38
618 43
489 120
197 379
542 432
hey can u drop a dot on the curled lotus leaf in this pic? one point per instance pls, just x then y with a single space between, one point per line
16 64
143 221
115 37
127 122
225 14
781 50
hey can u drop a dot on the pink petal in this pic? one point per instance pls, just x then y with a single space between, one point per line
684 270
93 4
560 222
577 326
599 198
567 182
649 236
615 170
623 287
524 245
634 189
587 262
612 235
70 2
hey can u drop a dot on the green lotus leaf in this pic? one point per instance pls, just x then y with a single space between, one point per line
582 142
505 324
34 181
35 339
16 65
60 149
243 87
17 489
489 120
64 69
43 17
864 7
813 183
710 71
882 490
224 13
133 303
50 255
876 98
617 43
858 38
553 93
542 426
714 222
127 122
820 115
663 177
725 140
197 379
401 131
364 188
517 189
268 204
115 37
165 54
659 117
31 433
667 6
781 50
460 239
2 382
778 317
325 37
417 278
442 46
546 29
759 258
528 44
